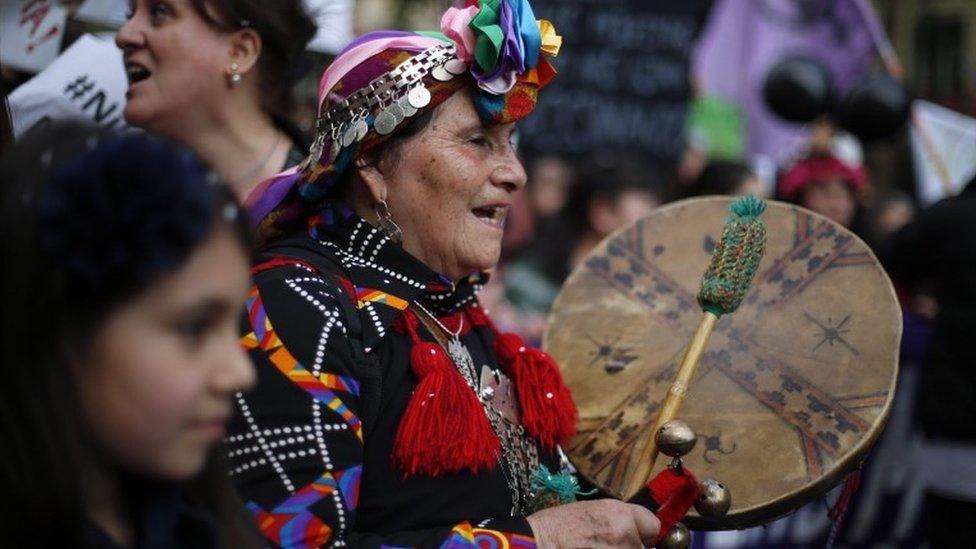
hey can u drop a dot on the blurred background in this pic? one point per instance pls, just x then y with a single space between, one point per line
861 110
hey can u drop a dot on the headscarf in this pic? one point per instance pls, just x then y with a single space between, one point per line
491 46
819 169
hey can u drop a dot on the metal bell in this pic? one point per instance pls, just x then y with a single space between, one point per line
678 537
713 500
675 439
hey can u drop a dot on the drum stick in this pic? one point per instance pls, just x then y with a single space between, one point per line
730 272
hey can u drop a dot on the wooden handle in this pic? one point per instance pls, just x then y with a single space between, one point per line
672 402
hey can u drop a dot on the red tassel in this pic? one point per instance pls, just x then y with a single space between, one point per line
676 493
548 411
444 428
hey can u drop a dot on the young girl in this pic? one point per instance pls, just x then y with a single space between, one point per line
124 269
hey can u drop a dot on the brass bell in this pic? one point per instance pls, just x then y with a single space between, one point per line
675 439
678 538
713 500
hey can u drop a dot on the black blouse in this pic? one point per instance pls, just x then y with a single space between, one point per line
310 447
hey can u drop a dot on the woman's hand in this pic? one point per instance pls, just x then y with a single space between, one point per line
598 523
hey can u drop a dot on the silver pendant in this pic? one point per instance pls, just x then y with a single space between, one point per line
498 390
462 360
361 129
456 66
419 97
396 111
408 109
385 123
349 135
441 74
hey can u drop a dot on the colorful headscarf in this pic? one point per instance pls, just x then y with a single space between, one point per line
491 45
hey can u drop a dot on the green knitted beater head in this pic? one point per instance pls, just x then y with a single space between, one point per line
735 259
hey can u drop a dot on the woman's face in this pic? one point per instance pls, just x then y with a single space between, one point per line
832 199
157 380
452 187
176 63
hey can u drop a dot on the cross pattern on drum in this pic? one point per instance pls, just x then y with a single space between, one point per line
824 423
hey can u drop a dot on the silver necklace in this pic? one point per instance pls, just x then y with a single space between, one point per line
520 457
267 156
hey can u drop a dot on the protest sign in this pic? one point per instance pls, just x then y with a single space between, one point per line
86 82
30 33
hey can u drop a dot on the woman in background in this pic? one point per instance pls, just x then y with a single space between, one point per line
217 75
124 269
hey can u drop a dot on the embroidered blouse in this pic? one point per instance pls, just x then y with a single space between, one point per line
310 447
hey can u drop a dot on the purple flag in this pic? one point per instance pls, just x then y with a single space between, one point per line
743 39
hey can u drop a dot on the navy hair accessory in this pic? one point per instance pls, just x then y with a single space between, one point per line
131 208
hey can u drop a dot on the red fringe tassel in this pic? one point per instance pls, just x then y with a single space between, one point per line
675 492
444 428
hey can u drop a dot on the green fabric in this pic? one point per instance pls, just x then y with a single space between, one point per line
436 35
736 258
486 26
717 127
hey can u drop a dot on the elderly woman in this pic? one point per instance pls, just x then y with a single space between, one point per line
216 76
388 410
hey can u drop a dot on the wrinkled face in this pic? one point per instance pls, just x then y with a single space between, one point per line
832 199
176 64
452 187
157 380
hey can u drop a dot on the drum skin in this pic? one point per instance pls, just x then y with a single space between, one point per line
794 387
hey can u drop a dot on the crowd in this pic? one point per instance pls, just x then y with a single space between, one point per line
225 331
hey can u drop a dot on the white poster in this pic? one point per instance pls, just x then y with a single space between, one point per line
31 32
106 12
943 150
334 21
87 82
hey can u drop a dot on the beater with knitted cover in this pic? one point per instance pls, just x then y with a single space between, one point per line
733 264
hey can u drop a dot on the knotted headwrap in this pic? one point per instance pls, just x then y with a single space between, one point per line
384 78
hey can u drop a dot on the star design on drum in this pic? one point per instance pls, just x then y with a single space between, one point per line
830 334
615 359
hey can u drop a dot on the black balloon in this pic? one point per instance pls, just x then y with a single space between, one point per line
798 89
877 106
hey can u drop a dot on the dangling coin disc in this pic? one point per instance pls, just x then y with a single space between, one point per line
456 66
361 129
396 111
349 135
439 73
408 109
385 123
419 97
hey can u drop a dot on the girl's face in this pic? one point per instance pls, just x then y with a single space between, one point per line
157 379
833 199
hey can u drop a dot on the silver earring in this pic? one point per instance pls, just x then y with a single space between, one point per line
235 76
387 225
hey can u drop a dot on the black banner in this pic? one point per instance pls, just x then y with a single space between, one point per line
623 77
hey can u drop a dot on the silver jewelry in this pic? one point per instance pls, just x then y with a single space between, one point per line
519 457
235 76
387 225
399 94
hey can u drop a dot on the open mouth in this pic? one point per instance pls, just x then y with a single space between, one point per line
136 73
492 215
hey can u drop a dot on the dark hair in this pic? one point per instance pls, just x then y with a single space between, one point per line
721 177
605 176
89 219
285 29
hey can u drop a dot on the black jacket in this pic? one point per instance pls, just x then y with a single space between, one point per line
310 447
